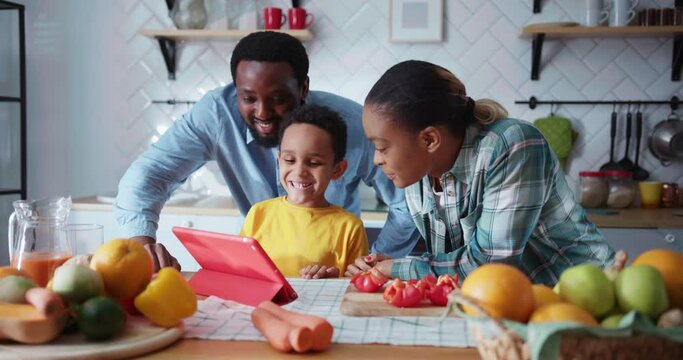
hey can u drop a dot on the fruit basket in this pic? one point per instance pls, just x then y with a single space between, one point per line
552 335
636 338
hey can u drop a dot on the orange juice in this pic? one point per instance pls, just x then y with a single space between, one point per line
40 265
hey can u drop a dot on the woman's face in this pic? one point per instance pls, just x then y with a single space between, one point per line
398 152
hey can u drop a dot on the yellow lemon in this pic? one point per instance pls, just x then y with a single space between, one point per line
544 295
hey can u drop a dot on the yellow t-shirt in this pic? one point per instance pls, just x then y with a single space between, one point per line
295 237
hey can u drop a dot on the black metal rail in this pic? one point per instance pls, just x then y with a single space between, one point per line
173 102
533 102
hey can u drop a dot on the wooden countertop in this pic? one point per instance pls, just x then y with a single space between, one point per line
603 218
222 349
219 349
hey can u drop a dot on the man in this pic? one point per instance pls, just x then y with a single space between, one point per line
237 126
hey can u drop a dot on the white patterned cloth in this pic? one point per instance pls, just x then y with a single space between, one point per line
218 319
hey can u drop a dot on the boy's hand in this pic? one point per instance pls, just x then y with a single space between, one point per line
365 263
319 272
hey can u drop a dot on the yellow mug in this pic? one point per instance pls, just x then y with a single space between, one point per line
650 194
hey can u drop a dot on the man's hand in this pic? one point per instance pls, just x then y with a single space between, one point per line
319 272
365 263
160 256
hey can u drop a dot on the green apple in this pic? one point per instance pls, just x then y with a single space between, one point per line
13 288
642 288
612 321
587 287
77 283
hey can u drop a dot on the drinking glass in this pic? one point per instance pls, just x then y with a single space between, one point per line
87 238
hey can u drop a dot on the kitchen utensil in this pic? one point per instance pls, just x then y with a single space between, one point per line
625 163
559 134
639 174
650 194
622 12
611 165
138 337
666 139
357 303
670 195
37 238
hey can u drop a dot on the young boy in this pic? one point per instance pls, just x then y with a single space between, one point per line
302 232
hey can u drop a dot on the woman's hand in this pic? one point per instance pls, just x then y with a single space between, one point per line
384 267
160 256
365 263
319 272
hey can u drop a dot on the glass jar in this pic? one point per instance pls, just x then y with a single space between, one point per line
593 189
622 189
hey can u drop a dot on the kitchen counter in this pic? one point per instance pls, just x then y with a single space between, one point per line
222 205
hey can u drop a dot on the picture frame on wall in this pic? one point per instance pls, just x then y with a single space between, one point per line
416 20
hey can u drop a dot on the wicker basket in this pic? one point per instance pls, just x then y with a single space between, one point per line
495 340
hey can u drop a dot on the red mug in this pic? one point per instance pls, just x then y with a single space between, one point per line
297 18
273 18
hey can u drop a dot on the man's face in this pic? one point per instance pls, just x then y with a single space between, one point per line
265 92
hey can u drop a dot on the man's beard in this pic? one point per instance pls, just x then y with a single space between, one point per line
265 141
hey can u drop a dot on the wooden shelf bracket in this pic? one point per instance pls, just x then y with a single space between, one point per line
677 59
536 52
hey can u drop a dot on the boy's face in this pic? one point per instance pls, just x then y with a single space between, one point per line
306 162
265 92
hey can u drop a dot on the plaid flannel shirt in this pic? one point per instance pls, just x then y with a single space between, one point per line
505 200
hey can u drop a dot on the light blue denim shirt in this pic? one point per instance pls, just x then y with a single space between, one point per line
214 130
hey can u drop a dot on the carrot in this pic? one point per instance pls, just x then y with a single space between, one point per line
48 302
321 328
281 335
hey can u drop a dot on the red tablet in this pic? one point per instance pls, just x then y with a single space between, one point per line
234 267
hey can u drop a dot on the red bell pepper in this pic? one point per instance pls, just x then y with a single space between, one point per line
368 281
402 294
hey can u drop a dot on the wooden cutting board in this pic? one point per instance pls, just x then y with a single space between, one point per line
357 303
137 338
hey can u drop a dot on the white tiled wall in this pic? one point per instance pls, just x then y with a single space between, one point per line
91 83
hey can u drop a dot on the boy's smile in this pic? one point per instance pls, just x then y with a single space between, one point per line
306 162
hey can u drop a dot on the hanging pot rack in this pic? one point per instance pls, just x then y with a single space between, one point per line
533 102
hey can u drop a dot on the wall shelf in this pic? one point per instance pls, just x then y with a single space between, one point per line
539 32
168 39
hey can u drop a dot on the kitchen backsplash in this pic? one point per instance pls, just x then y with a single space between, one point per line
349 51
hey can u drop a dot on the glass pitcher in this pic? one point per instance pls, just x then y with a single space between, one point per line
38 238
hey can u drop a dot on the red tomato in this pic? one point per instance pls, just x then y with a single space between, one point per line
401 294
438 295
368 281
451 281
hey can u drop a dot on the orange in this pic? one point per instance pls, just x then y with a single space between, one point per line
125 266
502 290
670 264
559 312
8 270
544 295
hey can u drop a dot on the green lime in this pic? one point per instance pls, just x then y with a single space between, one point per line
100 318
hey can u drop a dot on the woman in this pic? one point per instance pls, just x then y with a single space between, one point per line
480 187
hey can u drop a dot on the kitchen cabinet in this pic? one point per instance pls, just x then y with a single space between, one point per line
169 37
539 32
637 241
